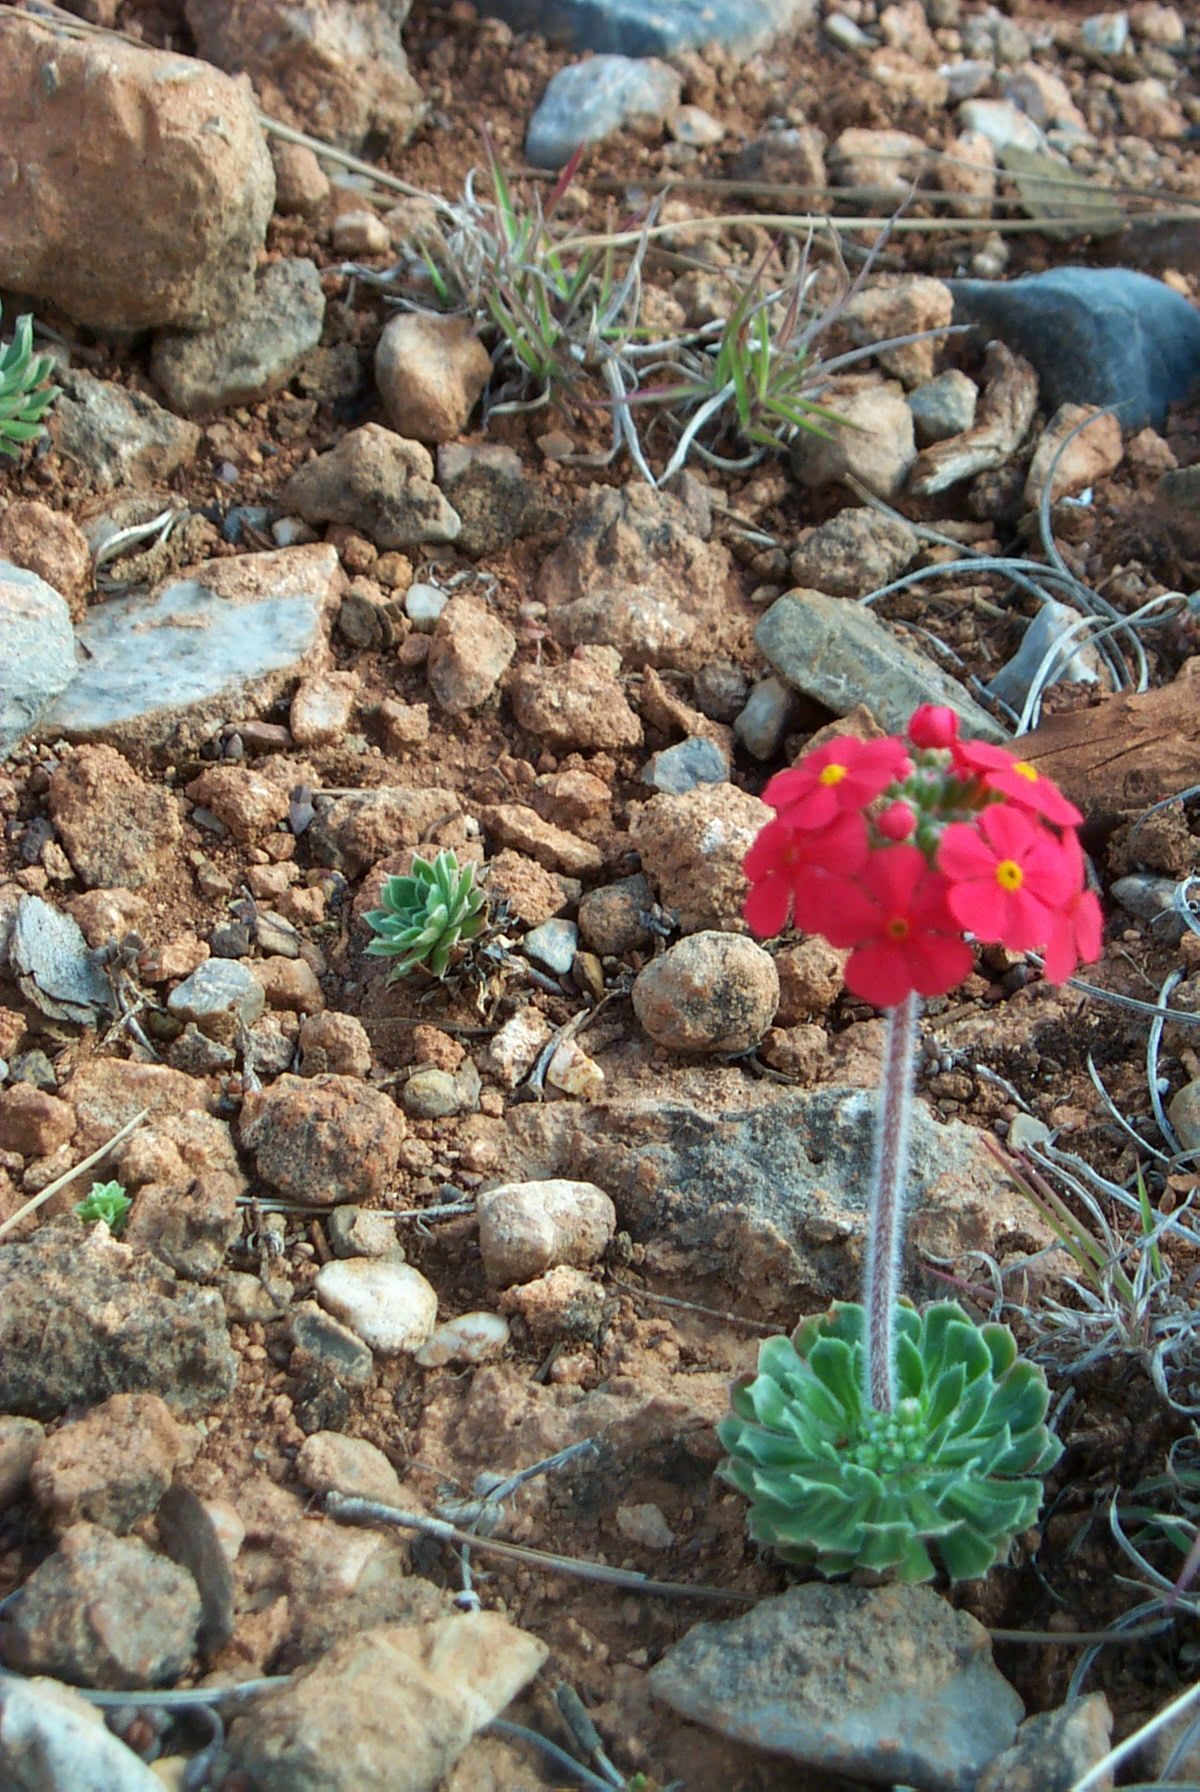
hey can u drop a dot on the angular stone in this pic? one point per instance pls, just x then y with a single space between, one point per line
577 705
586 102
221 995
162 673
71 1746
692 847
854 552
253 354
323 1139
496 498
1056 1749
357 831
923 1703
169 128
629 28
114 437
470 652
115 826
686 765
841 654
377 482
38 657
110 1467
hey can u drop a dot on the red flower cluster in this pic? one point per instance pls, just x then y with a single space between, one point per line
897 849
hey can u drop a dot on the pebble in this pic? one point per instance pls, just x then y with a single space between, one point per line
471 1338
841 655
52 1740
155 1333
526 1228
854 552
111 1466
1151 899
1105 33
104 1611
430 1094
39 651
690 763
19 1440
845 33
362 1232
329 1462
943 407
141 683
721 688
430 372
571 1070
183 137
337 1043
323 1140
1055 1748
1004 125
360 232
332 1347
116 827
511 1053
252 354
377 482
220 996
692 848
589 101
1095 451
390 1707
924 1705
712 992
389 1305
34 1122
322 707
1184 1115
1101 336
552 945
769 712
496 498
1014 680
470 653
579 705
302 187
901 306
563 1303
645 1525
610 917
877 446
423 605
694 127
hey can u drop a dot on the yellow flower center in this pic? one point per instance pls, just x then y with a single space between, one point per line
1024 770
897 928
831 774
1009 875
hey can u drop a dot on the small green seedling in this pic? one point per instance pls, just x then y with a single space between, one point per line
426 914
22 405
108 1202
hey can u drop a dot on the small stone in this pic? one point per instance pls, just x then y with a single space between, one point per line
934 1713
855 552
1184 1115
712 992
322 707
518 826
471 1338
899 305
511 1053
423 605
360 232
589 101
51 544
247 1302
526 1228
362 1232
357 831
876 446
695 128
942 408
721 689
52 1740
39 651
1096 451
1161 25
302 187
104 1611
431 1094
113 437
578 705
430 372
1004 125
571 1070
610 918
968 174
323 1140
769 712
244 801
886 161
470 653
692 848
323 1342
328 1462
645 1525
686 766
810 979
19 1441
1055 1748
378 482
220 997
405 725
532 893
33 1122
1105 33
337 1043
275 936
254 353
563 1303
498 500
553 944
112 1466
389 1305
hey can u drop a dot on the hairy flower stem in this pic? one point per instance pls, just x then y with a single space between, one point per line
885 1236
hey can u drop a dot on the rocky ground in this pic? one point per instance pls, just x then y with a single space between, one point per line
292 589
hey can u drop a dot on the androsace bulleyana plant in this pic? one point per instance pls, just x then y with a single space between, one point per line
426 915
879 1437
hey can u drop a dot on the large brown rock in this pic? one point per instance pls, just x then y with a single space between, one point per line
92 125
323 1139
115 827
112 1466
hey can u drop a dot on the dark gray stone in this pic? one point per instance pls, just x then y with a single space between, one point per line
1095 335
114 437
678 769
632 28
254 354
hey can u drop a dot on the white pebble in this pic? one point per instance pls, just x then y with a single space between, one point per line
389 1305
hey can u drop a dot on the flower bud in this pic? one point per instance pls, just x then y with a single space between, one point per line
933 726
897 822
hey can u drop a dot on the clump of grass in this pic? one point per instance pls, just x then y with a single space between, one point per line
24 396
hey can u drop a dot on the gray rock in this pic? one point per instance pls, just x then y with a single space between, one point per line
431 1094
114 437
1104 336
710 992
1105 33
1055 1749
255 353
588 101
721 688
163 672
52 1740
83 1317
498 501
552 945
763 723
37 651
362 1232
841 654
54 965
682 767
378 482
1152 899
943 407
103 1611
783 1181
854 552
324 1343
19 1440
882 1684
220 995
632 28
1012 683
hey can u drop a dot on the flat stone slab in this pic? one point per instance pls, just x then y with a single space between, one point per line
839 653
631 28
160 673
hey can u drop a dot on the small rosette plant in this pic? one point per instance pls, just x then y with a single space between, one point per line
955 1469
22 405
896 848
105 1201
426 915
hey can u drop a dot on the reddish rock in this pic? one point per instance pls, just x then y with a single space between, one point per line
323 1140
115 826
516 825
692 847
49 543
337 1043
576 705
533 894
247 803
360 830
33 1122
470 652
110 1467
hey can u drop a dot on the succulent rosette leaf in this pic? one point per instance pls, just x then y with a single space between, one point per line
22 405
955 1470
426 914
